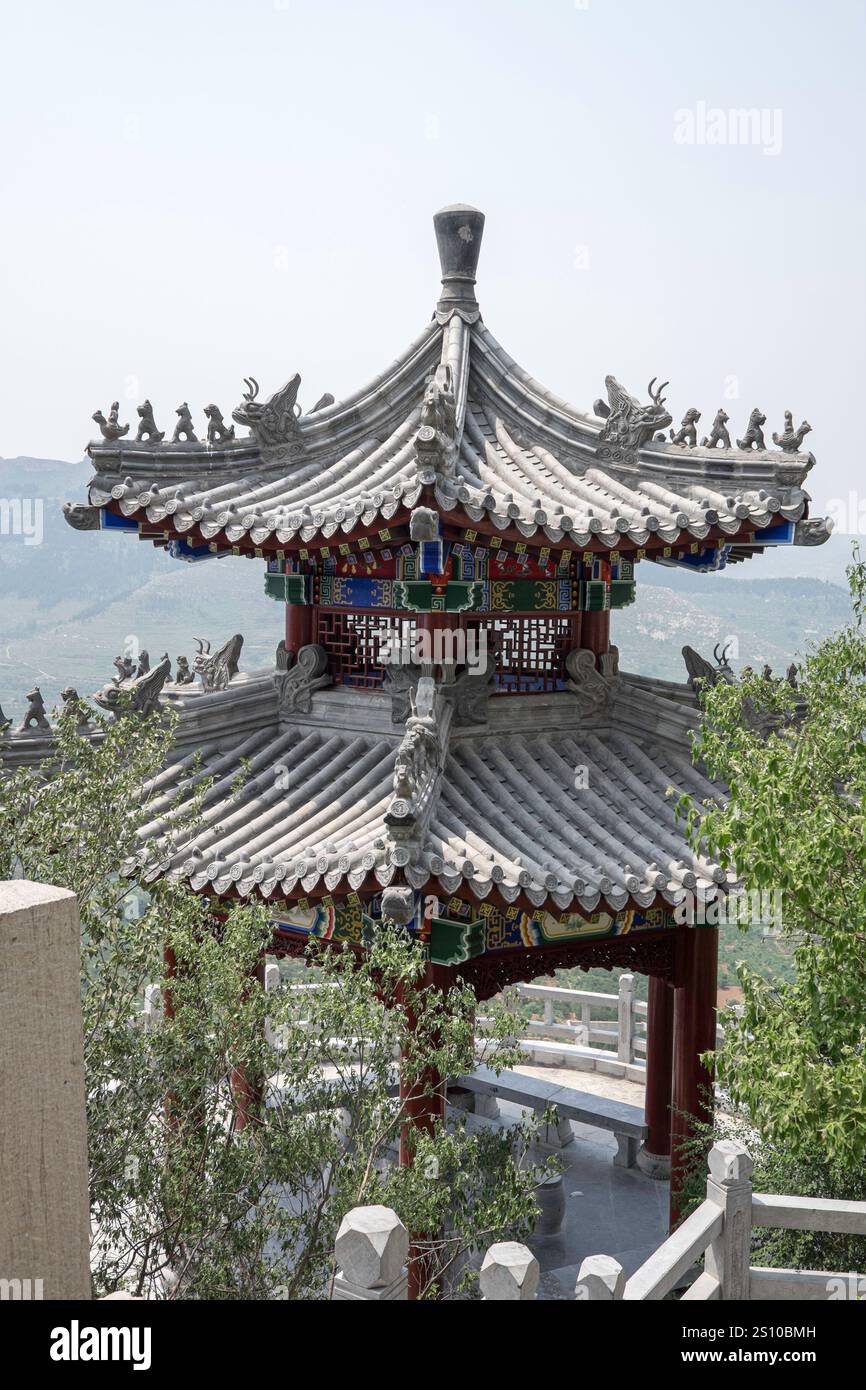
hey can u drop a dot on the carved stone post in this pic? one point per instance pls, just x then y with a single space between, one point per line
44 1199
370 1250
625 1019
509 1274
600 1279
729 1186
272 983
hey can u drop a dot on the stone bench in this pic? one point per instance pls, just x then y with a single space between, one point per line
625 1122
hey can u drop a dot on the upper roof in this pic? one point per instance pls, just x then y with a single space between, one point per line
455 424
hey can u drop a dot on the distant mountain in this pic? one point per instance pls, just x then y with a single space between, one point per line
68 604
761 620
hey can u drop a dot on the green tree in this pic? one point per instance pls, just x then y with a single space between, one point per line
793 1061
186 1203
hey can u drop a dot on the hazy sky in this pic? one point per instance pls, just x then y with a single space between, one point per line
197 191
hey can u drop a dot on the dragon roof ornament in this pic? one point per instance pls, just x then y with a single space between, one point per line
274 421
627 424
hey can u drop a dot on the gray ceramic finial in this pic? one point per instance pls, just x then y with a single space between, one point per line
459 230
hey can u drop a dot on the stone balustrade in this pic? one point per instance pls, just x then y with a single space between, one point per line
718 1233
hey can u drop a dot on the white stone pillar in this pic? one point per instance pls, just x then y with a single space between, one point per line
44 1198
271 983
729 1186
153 1007
625 1017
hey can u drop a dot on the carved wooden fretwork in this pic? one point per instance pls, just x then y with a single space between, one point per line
649 953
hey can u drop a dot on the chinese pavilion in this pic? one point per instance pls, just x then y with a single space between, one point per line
446 738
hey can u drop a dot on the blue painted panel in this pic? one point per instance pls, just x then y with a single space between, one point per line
110 521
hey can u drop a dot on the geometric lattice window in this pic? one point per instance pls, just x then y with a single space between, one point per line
532 651
354 641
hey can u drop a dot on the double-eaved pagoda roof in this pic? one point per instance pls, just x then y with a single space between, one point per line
455 424
563 800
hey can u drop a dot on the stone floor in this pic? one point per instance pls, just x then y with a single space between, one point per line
608 1210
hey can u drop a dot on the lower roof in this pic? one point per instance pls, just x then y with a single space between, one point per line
547 802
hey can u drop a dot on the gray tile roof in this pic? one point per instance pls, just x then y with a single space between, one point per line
526 460
504 812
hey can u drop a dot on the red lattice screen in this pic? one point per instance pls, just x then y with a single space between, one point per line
532 651
354 641
531 654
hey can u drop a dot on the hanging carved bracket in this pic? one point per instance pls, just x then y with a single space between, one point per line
420 759
298 677
592 687
466 688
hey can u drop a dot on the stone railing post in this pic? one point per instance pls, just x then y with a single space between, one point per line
44 1198
509 1273
153 1007
548 1013
729 1186
371 1249
599 1279
625 1015
271 982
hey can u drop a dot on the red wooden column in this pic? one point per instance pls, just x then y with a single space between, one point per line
299 626
694 1033
170 961
431 623
655 1155
595 632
